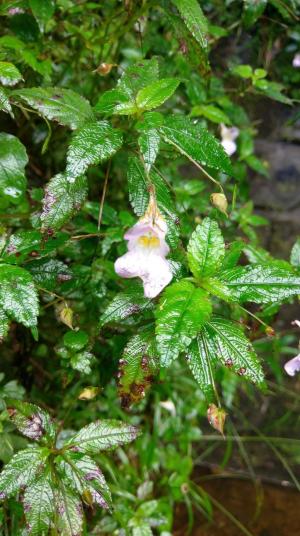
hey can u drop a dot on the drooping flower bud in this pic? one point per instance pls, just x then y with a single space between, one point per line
220 202
216 418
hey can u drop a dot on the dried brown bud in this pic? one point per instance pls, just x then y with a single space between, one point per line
216 418
220 202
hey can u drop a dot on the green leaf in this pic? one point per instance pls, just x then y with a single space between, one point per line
261 283
149 146
18 296
69 507
244 71
295 254
156 93
108 101
232 254
253 9
42 11
62 199
76 340
138 364
213 113
13 159
49 273
124 304
4 324
4 102
39 506
82 361
9 74
194 19
31 420
21 471
102 435
137 76
60 104
202 363
92 144
273 90
226 341
206 249
195 142
182 311
83 475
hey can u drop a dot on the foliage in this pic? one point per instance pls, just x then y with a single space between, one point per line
107 109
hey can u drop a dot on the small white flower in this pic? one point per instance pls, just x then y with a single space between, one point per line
228 136
147 250
296 60
293 366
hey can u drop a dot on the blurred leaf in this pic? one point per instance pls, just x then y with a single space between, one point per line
181 312
60 104
13 159
76 340
206 249
62 199
253 9
211 112
195 143
244 71
295 254
194 19
92 144
42 11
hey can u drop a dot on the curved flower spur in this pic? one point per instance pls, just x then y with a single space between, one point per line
147 251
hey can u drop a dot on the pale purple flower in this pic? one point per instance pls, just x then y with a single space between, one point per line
293 366
228 135
296 60
147 251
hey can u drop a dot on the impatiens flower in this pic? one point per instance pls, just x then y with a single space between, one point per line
228 136
296 60
147 251
292 366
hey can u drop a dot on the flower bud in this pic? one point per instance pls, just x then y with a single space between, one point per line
216 418
105 68
220 202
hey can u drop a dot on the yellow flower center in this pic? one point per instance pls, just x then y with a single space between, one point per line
149 241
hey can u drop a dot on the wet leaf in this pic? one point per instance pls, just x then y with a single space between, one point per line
92 144
62 200
18 295
260 283
206 249
21 471
13 159
39 505
102 435
194 19
156 93
195 142
9 74
127 303
181 312
31 420
59 104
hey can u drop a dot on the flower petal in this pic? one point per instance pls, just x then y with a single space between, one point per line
156 276
229 146
292 366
